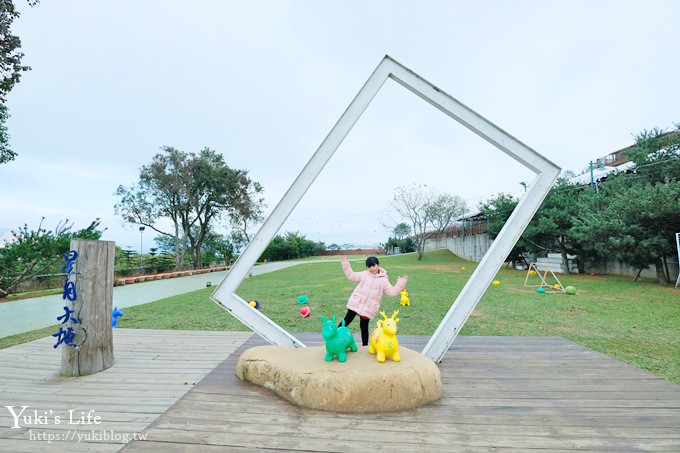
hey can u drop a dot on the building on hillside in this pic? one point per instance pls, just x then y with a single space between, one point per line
616 161
602 167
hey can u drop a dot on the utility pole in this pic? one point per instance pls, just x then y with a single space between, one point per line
593 183
677 240
141 247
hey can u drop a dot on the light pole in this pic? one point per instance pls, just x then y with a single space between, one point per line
593 181
523 184
141 247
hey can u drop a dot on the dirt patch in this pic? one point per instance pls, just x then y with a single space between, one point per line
21 296
573 310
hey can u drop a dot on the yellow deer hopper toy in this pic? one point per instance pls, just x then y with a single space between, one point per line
405 301
383 342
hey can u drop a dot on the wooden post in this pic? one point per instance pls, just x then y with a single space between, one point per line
93 305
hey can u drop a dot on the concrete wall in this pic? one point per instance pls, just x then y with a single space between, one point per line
471 247
617 268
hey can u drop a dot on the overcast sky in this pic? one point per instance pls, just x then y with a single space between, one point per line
263 82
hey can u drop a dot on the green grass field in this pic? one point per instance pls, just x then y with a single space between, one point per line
636 323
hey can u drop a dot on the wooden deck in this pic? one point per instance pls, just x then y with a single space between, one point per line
499 393
153 370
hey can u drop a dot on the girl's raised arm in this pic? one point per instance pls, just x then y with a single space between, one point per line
347 268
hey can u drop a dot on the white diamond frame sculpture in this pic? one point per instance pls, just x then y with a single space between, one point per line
546 173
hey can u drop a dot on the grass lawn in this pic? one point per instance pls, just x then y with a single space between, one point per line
636 323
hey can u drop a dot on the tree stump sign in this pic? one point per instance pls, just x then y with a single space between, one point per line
89 292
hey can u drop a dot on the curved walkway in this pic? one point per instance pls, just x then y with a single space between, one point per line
30 314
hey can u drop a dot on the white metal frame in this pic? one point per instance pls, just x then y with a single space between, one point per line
546 173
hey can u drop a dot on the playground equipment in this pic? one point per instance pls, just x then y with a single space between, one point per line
534 273
405 301
115 314
383 342
338 339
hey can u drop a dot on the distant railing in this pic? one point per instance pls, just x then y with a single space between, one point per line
463 230
352 252
54 281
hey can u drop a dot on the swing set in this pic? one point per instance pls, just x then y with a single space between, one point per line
533 271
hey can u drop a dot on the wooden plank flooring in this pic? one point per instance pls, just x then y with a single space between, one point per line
499 394
153 370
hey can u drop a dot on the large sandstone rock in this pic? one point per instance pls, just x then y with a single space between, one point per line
361 384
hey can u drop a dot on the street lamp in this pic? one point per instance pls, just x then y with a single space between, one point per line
141 246
523 184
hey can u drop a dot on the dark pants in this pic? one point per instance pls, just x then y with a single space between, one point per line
363 324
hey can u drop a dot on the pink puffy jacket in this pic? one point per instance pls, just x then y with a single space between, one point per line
365 299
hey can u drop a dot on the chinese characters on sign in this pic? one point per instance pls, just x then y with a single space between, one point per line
70 294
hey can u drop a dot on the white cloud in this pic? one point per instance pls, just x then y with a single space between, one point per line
6 238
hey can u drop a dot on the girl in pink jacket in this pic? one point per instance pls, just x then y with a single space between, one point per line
365 299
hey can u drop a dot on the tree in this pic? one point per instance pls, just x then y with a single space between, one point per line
634 223
405 245
657 158
166 244
10 69
34 252
444 209
401 231
292 246
635 215
656 155
128 254
232 246
401 239
630 218
6 154
218 190
190 190
219 247
158 194
551 227
428 211
153 261
497 210
247 208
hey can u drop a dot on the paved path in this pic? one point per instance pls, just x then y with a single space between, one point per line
30 314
